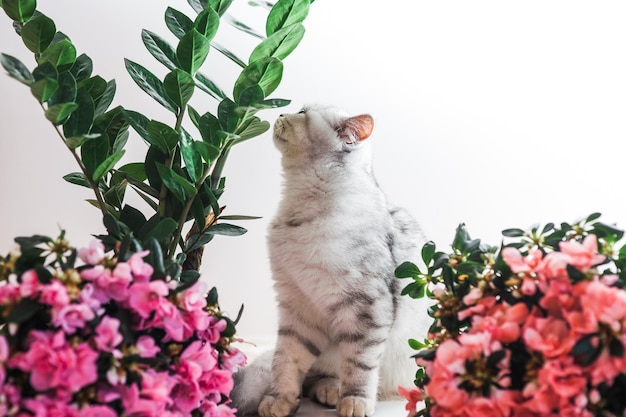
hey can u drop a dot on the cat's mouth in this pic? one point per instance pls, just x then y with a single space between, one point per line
279 127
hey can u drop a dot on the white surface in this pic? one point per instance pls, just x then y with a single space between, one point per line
496 114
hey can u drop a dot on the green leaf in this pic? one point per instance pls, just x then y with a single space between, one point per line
105 100
428 251
209 126
38 33
19 10
163 230
209 87
160 49
135 169
67 85
513 232
243 27
82 68
192 50
192 158
226 229
177 22
239 217
182 189
150 84
198 5
229 54
255 128
407 270
81 120
77 178
116 192
95 86
162 136
74 142
280 44
16 69
107 165
25 309
179 87
44 89
94 152
266 72
250 96
220 6
207 151
58 113
207 23
286 13
61 55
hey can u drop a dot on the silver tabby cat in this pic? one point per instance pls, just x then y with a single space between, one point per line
333 246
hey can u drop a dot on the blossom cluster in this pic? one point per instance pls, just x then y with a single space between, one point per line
534 330
108 339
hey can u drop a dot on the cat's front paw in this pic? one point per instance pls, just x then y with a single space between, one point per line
278 405
356 407
326 391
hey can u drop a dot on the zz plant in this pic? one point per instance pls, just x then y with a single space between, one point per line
180 178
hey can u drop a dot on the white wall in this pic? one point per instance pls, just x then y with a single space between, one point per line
496 114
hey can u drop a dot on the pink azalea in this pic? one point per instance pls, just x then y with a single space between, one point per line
233 359
210 409
520 264
169 318
157 386
108 336
144 297
53 363
142 271
198 357
72 317
218 381
186 395
44 406
93 254
29 284
193 299
214 330
146 347
135 404
114 285
502 321
55 294
97 411
9 293
583 255
566 379
550 336
413 396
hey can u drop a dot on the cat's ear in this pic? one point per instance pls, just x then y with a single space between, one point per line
356 129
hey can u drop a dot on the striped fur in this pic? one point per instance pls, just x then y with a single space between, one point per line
333 245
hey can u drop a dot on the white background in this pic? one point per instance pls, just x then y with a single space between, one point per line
496 114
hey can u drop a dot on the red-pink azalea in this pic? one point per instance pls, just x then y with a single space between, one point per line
108 336
550 336
92 254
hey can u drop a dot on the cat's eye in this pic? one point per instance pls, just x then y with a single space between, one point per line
302 111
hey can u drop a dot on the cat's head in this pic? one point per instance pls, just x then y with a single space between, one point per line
318 132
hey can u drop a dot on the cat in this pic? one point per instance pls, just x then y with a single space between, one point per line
333 246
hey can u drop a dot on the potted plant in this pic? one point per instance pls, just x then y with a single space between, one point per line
536 327
126 326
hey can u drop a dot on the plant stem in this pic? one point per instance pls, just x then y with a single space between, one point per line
83 169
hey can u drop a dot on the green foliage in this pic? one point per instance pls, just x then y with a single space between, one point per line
180 178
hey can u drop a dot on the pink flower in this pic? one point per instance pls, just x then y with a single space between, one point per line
146 347
135 405
169 318
9 293
233 359
583 255
157 386
214 330
53 363
210 409
29 285
44 406
108 336
193 299
566 379
55 294
520 264
145 297
72 317
93 254
142 271
113 285
550 336
97 411
413 396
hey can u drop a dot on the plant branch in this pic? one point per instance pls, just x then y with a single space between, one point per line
83 169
